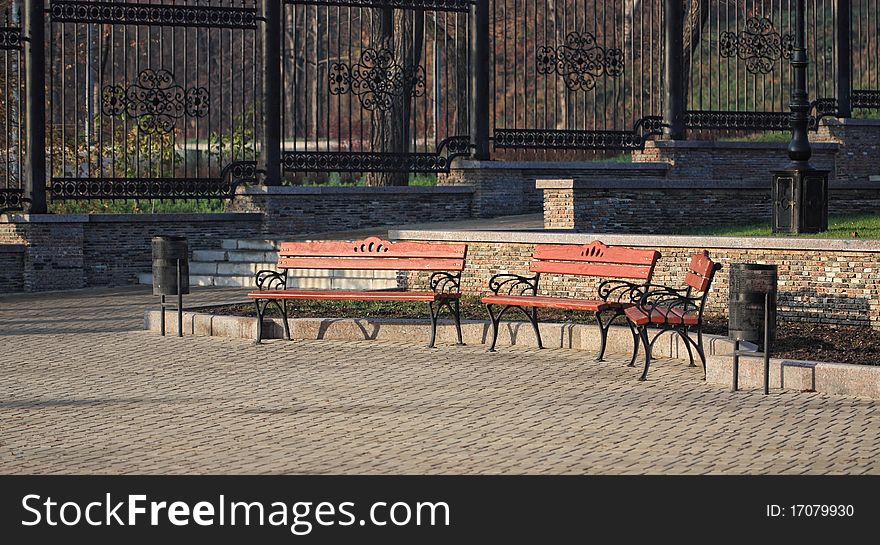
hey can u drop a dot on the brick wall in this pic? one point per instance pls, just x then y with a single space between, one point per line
71 251
503 188
640 208
300 210
702 160
818 283
11 268
859 140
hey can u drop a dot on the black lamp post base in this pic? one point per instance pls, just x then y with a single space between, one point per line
800 200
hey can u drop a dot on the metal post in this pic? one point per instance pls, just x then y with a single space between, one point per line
766 343
179 301
734 386
673 114
799 150
843 85
271 156
35 117
162 316
479 79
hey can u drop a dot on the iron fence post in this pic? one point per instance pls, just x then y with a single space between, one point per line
270 159
35 113
799 150
843 85
479 79
672 71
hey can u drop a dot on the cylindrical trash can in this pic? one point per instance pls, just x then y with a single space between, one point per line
167 250
750 286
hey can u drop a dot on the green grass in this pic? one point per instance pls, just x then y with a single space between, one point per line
866 225
143 206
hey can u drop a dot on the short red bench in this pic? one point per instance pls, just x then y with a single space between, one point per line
626 270
446 261
675 309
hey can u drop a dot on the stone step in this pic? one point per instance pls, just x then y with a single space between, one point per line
249 244
301 282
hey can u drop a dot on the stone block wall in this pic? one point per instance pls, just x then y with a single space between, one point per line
11 268
858 157
503 188
676 205
290 211
69 251
821 281
751 162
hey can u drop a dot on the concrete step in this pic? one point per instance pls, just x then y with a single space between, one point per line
249 244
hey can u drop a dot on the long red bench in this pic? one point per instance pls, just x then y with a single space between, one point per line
445 261
625 271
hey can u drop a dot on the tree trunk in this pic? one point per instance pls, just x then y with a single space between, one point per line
400 32
695 17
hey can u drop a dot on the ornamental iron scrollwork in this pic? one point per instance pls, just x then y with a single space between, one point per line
155 101
433 5
368 161
865 99
377 79
142 14
223 187
12 200
10 38
580 61
580 139
759 45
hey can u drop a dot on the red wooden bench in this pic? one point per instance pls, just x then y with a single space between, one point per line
675 309
613 295
445 260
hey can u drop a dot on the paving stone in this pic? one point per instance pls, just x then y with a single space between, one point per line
87 392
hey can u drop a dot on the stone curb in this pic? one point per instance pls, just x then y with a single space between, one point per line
831 378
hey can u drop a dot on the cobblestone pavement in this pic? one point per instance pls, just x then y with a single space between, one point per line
84 390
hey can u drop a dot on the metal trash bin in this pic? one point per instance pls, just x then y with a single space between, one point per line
171 274
168 253
752 313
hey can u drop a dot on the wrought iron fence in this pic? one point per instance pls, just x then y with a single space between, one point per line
11 110
377 86
189 98
865 44
156 99
576 74
737 54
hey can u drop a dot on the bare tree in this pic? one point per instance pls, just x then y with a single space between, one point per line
401 33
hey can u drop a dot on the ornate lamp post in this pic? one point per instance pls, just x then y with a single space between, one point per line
800 192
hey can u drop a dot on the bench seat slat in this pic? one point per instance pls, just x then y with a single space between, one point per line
565 303
371 263
637 272
661 315
351 295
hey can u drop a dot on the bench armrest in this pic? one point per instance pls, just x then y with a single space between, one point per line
655 295
514 284
445 282
272 280
620 291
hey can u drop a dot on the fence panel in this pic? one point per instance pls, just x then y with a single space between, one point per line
11 109
737 53
576 74
157 99
375 86
865 42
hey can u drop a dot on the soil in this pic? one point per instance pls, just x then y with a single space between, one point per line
794 340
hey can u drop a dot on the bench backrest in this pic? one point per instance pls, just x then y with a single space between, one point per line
701 271
595 259
372 254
